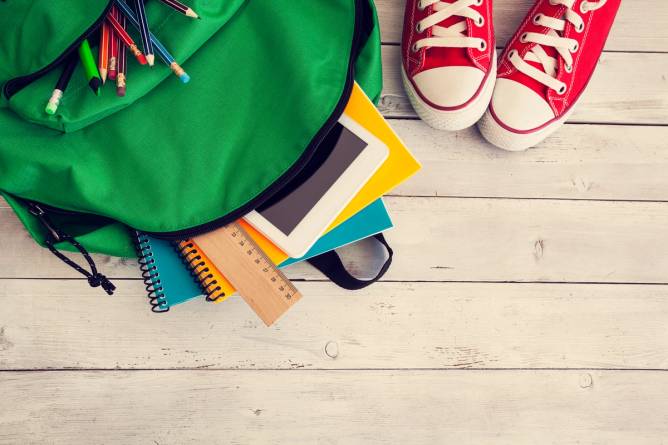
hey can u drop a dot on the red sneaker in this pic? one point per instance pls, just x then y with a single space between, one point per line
449 60
544 70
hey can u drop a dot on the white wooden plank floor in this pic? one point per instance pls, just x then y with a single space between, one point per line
528 302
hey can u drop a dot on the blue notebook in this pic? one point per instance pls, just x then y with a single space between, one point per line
169 282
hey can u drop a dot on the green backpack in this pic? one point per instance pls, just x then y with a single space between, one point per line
269 79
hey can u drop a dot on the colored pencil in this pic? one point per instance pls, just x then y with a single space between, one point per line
114 44
160 49
103 52
122 62
61 85
90 68
126 39
183 9
144 32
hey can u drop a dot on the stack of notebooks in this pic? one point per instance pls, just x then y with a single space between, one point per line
178 272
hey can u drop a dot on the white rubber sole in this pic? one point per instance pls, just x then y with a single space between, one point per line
456 119
511 141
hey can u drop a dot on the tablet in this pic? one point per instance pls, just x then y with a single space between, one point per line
296 216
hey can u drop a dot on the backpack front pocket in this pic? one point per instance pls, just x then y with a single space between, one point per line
28 92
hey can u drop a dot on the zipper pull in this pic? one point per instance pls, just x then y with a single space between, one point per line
55 235
39 212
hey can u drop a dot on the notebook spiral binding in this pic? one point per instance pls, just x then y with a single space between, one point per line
199 269
149 273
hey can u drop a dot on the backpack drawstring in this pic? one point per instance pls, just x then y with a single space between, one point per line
55 235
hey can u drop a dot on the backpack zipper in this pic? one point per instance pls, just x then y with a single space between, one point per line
16 84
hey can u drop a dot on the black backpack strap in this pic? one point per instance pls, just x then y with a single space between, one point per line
332 267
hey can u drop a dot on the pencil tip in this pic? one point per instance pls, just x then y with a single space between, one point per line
150 58
142 59
95 85
103 75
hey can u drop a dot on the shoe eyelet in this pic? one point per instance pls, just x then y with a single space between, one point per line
415 48
568 68
562 90
552 2
482 46
580 28
523 38
536 18
511 54
420 6
574 48
478 3
583 8
480 22
418 28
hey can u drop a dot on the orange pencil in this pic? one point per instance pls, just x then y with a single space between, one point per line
126 39
114 43
103 55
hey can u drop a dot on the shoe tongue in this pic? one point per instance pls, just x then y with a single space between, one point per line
450 20
538 87
438 56
550 51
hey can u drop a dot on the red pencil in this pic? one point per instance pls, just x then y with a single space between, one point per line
103 56
126 39
114 43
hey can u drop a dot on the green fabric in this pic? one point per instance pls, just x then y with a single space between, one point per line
265 77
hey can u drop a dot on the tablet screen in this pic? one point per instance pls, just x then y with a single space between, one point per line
334 155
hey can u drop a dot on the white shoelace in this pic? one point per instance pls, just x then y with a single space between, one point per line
563 46
452 36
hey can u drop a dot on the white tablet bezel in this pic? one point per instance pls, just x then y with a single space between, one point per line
330 205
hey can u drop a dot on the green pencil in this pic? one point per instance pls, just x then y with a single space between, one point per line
90 67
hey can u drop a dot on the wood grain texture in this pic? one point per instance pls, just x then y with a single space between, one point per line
55 324
334 407
445 239
424 357
639 26
616 94
611 162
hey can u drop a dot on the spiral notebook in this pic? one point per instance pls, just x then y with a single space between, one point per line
169 282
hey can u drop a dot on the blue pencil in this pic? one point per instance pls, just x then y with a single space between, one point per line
144 32
159 47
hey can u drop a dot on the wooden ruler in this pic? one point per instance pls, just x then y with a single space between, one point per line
236 255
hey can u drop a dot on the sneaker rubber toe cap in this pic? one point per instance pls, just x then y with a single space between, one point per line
449 86
518 107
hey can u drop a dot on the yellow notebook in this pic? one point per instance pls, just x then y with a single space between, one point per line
399 166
